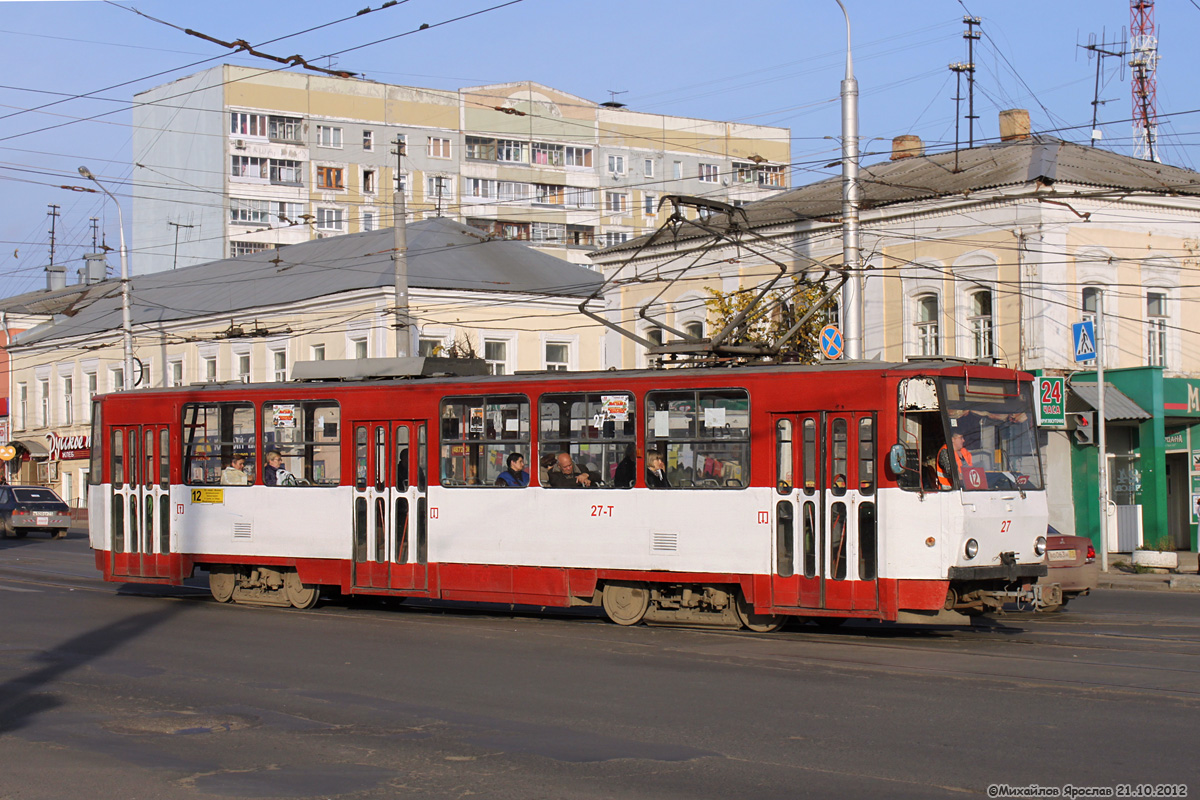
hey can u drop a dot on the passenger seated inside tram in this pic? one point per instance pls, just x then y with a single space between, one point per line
515 475
656 473
566 475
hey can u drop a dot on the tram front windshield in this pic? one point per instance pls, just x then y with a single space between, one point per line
997 424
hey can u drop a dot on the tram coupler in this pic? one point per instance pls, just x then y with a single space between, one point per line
1030 597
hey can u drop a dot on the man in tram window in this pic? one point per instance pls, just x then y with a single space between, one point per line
961 455
566 475
515 475
623 477
235 473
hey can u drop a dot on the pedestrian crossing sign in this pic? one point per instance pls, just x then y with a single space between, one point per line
1083 335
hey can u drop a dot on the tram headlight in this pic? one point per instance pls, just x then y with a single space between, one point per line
1039 546
972 549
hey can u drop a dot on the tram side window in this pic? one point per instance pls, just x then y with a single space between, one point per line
703 436
478 434
214 433
306 434
597 429
921 436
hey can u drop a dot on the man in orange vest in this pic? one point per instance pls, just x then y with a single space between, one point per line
961 455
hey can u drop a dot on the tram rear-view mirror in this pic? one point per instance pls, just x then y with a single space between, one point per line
896 458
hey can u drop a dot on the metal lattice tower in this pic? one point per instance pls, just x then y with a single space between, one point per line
1143 62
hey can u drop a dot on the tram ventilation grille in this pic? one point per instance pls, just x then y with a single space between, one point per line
243 530
661 542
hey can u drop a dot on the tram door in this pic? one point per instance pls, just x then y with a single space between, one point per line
825 546
141 506
390 506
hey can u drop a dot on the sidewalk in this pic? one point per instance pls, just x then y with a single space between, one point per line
1120 575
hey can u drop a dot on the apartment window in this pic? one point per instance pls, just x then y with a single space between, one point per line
22 405
330 178
651 205
439 148
68 400
249 212
980 324
926 325
243 124
368 140
1090 297
612 238
360 347
579 157
437 186
548 232
677 170
368 220
515 230
510 150
93 384
317 352
616 165
581 235
285 171
429 347
558 356
289 213
368 181
548 155
480 149
770 176
512 191
401 183
655 335
580 198
44 403
286 129
330 219
279 365
496 354
648 167
175 369
328 136
548 194
616 202
1156 329
708 173
479 188
694 329
238 249
116 379
209 364
243 367
247 167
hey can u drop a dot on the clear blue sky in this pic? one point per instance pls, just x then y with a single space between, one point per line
769 62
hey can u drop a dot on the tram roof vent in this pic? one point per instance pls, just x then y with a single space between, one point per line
358 369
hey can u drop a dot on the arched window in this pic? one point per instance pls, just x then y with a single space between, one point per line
655 335
1156 329
980 323
694 329
926 325
1089 302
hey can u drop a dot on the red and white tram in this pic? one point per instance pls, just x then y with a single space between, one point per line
793 490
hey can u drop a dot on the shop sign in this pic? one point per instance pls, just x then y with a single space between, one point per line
1181 397
1051 405
4 434
1174 440
69 448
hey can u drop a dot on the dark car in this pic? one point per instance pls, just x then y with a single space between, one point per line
1071 563
33 508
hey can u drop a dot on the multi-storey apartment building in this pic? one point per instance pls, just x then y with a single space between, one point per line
253 159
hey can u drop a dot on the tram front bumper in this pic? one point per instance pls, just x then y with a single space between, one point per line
1009 573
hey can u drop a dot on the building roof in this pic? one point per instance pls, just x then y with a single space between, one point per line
1040 160
442 255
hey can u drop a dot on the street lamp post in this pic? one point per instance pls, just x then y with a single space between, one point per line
851 200
126 325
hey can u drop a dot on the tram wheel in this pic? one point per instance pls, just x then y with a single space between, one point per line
221 583
300 595
759 623
625 603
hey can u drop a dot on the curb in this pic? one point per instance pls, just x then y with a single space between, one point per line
1153 583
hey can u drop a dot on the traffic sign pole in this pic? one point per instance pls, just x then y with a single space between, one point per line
1102 429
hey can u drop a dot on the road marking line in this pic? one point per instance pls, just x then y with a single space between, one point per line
15 589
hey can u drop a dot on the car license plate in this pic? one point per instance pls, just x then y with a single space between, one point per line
1062 555
43 520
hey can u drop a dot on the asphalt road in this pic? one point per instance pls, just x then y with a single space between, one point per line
138 692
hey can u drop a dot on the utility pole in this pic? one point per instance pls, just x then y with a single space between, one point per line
53 215
851 200
1101 50
400 254
1102 427
178 225
958 68
970 34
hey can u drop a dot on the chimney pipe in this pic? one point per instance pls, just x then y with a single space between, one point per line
1014 125
907 147
56 277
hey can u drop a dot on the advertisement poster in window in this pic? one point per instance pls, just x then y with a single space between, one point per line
284 416
477 420
615 406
